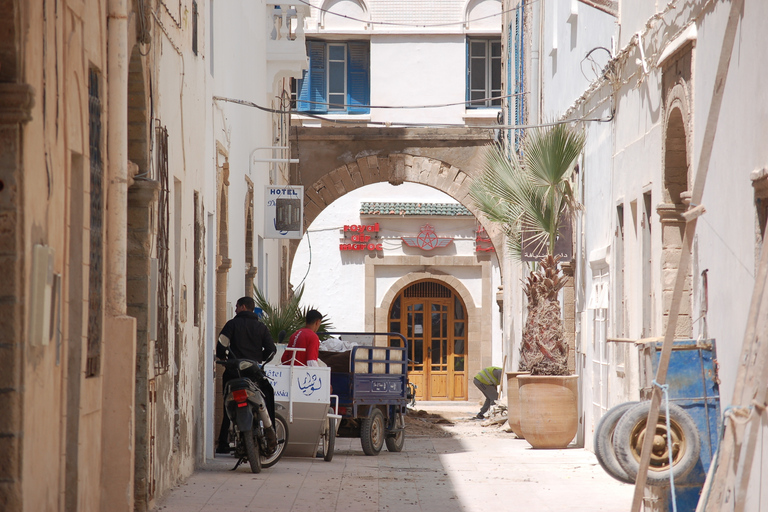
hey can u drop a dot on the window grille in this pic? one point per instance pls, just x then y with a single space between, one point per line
163 249
194 26
427 289
96 253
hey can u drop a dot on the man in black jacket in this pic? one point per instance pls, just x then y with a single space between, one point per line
245 337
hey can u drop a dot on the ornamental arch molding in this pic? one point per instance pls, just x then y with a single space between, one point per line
676 181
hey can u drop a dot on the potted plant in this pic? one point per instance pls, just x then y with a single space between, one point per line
532 197
287 318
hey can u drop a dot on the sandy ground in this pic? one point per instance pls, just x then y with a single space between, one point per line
421 423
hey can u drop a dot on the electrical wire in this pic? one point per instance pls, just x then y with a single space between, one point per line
435 105
416 25
412 125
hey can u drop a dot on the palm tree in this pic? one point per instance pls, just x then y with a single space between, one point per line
532 198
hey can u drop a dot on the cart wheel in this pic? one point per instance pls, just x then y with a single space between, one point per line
684 443
328 438
395 443
604 442
372 433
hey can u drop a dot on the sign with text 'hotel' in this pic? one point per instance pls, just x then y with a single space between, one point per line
283 211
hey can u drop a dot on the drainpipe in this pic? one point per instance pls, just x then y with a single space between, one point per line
118 353
117 154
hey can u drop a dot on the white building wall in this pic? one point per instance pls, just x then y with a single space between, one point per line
418 54
334 280
418 70
241 67
566 39
726 131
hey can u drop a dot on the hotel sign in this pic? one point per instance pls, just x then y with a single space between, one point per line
283 212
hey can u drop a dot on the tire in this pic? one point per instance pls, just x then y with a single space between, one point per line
628 443
328 438
372 432
397 442
604 442
252 451
281 430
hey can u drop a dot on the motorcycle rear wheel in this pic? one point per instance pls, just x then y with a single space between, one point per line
281 429
252 450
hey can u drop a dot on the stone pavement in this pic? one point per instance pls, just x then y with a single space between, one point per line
431 474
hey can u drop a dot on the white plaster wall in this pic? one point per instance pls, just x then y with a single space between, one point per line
726 233
334 281
237 69
633 15
565 73
418 70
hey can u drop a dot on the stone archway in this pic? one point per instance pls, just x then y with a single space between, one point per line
395 169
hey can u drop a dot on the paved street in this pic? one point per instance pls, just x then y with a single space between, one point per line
476 469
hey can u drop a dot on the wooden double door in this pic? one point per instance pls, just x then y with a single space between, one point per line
433 319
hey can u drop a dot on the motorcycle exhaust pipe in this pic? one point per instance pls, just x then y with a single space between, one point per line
264 415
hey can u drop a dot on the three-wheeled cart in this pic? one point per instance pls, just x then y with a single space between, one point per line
303 396
372 391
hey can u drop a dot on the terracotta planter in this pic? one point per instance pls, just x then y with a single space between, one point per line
549 416
513 402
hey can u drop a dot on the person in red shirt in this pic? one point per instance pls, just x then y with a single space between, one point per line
307 339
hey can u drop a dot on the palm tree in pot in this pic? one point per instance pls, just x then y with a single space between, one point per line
531 197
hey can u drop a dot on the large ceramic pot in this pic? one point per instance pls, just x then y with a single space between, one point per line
513 402
549 416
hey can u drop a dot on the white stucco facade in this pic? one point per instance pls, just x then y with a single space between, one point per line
248 69
682 104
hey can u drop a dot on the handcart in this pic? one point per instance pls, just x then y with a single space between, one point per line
303 396
372 387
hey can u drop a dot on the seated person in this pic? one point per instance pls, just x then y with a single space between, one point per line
307 339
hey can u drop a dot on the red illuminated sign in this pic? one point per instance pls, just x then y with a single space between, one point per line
427 239
361 241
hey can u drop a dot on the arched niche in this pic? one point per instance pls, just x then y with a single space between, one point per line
483 16
344 15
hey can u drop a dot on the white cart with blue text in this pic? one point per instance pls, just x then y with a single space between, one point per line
303 396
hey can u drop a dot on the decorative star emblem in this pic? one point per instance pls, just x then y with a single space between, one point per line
426 240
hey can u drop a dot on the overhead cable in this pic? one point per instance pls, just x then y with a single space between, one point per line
417 25
413 125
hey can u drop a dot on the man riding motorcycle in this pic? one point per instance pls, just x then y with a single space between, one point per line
245 337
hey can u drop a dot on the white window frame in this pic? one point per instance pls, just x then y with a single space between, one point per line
488 59
328 61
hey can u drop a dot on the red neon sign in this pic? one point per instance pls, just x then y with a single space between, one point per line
360 240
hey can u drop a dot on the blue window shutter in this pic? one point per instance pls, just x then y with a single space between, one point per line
312 87
467 80
302 93
358 78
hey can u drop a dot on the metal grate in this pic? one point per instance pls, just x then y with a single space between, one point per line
428 290
96 253
163 236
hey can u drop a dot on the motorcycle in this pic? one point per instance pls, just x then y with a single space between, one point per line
251 429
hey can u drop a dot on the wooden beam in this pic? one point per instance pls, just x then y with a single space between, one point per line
721 483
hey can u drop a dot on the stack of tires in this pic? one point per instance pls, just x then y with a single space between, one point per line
619 438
